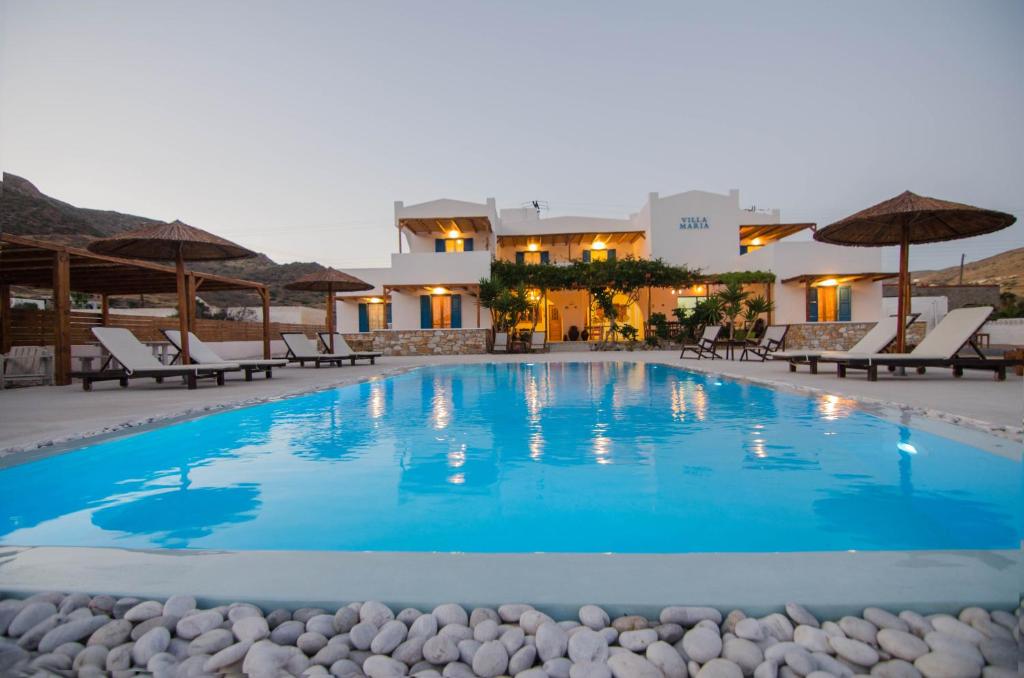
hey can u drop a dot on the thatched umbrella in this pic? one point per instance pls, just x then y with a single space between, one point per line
330 281
911 218
172 241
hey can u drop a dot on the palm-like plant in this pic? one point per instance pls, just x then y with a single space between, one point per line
755 307
732 297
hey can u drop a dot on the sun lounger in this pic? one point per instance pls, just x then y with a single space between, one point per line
341 346
201 354
138 362
500 342
301 350
771 341
705 346
939 348
538 342
876 340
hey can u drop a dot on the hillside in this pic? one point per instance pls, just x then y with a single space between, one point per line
1005 269
25 210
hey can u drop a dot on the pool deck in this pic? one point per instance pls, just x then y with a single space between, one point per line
40 421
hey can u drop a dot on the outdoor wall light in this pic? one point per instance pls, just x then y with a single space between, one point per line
439 290
831 282
454 233
598 245
532 247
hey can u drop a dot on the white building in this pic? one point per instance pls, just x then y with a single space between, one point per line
446 246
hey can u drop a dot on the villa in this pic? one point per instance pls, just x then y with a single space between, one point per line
446 246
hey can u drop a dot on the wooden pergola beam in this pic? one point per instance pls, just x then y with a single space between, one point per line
62 318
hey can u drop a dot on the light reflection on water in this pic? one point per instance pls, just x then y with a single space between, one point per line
583 457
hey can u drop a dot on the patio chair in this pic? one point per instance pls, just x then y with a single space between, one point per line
538 342
26 363
876 340
939 348
341 346
301 350
705 346
201 354
138 362
500 342
771 341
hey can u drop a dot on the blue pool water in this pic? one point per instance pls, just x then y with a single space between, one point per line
562 457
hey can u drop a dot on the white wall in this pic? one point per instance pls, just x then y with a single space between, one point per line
931 309
714 249
436 268
1008 331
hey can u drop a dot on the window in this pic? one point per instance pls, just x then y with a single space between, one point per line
440 311
689 304
453 244
826 304
598 255
532 257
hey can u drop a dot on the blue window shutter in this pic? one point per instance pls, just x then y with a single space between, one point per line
586 256
520 257
812 304
467 245
611 255
845 310
544 257
364 318
743 249
387 311
456 311
439 244
426 315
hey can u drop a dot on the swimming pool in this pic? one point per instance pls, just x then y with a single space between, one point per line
598 457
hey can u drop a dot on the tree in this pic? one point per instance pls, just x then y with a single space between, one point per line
507 306
755 307
732 298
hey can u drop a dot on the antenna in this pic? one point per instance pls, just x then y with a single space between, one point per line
538 205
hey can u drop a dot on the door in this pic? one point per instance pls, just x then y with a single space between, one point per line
555 322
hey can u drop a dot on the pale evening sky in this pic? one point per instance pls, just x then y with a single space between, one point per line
292 127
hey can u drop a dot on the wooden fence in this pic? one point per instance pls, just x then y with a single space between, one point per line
34 327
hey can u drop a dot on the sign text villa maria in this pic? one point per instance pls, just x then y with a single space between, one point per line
693 223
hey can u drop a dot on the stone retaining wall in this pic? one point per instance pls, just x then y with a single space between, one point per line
838 336
421 342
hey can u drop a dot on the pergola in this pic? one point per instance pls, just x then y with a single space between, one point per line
47 265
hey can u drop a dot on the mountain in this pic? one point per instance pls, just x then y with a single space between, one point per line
25 210
1005 269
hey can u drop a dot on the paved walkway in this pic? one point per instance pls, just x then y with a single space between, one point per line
30 417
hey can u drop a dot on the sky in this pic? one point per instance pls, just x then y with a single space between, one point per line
293 127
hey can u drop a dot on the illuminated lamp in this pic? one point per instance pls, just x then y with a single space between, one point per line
756 242
532 247
828 282
376 300
454 233
598 245
438 290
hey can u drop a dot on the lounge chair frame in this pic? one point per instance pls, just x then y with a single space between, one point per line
766 346
533 347
957 363
191 373
325 341
705 346
317 360
248 366
812 358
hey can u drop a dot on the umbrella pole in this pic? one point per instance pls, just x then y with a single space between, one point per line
903 298
182 306
330 314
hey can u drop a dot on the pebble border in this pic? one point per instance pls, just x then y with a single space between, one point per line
58 634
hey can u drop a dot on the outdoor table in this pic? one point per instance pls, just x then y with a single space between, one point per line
730 346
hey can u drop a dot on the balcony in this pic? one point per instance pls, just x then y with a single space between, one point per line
439 268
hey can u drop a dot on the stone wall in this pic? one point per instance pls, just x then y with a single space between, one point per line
421 342
838 336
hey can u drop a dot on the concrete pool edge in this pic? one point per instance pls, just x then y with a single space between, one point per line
831 583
